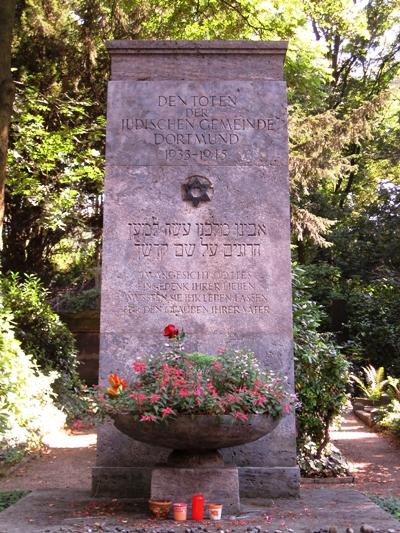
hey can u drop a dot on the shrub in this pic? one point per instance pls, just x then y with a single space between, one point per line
27 411
326 463
321 370
393 388
389 417
75 301
374 325
373 385
41 332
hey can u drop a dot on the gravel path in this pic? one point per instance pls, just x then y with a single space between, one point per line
373 457
67 463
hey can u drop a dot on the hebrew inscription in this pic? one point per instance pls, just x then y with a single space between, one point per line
209 291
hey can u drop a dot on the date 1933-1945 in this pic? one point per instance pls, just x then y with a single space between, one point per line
172 154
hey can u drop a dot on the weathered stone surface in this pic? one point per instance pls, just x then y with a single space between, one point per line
121 482
198 432
219 485
196 60
316 509
258 482
196 225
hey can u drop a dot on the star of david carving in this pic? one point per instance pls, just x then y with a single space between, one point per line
197 189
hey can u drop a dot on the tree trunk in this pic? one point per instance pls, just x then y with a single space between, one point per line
7 14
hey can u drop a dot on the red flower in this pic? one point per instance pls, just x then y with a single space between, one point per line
167 411
286 408
113 391
117 384
240 416
170 331
115 381
138 366
217 365
148 418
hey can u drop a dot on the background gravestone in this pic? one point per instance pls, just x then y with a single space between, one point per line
196 231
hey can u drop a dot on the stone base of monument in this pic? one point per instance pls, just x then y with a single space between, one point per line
218 484
254 482
269 482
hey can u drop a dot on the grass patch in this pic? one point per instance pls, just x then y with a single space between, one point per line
391 505
10 497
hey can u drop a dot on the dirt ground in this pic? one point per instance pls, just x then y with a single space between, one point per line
67 463
374 458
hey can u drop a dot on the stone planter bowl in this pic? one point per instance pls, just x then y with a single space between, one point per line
197 432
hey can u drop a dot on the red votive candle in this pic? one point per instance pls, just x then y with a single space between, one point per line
197 507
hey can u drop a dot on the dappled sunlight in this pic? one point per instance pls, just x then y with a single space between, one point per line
62 439
374 458
353 434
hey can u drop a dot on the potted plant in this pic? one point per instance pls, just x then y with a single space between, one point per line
196 401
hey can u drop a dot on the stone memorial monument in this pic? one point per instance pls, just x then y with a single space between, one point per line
196 231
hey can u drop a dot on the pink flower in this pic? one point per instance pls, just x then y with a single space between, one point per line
197 391
217 365
211 389
138 366
240 416
167 411
183 393
260 400
286 408
140 397
148 418
154 398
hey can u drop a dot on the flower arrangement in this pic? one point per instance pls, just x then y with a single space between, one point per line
177 382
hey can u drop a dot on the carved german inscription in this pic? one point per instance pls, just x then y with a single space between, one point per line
217 124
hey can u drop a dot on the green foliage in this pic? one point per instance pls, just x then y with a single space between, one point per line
367 241
393 388
201 360
8 498
321 370
27 411
41 332
326 463
389 504
389 417
373 384
55 173
84 300
373 323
